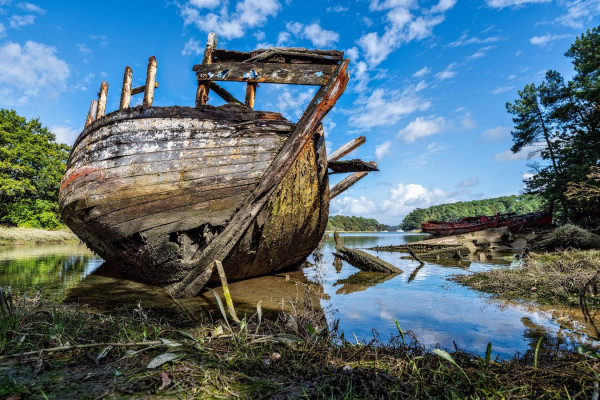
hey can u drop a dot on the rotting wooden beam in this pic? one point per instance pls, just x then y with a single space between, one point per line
250 94
345 184
150 82
339 167
141 89
204 85
91 113
362 260
232 55
222 245
345 149
101 109
298 74
126 90
224 94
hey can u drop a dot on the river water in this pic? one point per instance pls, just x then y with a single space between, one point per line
423 300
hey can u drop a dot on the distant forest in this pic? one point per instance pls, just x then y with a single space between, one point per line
342 223
455 211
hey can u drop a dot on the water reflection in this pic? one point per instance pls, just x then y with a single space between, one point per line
422 299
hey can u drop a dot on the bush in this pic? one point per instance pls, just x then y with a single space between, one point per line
32 214
570 237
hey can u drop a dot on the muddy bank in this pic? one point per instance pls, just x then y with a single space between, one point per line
21 236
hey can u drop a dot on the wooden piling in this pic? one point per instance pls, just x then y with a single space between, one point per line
126 90
92 113
101 109
250 94
203 86
150 82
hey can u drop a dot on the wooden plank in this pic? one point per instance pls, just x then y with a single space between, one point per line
339 167
222 245
345 149
310 74
126 89
345 184
224 94
102 100
231 55
204 86
91 113
150 82
250 94
142 89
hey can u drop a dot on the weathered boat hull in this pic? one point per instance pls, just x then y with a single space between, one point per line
149 188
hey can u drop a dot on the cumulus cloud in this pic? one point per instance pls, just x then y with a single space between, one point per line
421 127
352 206
406 22
383 108
215 16
28 70
402 199
18 21
192 48
496 134
526 153
448 73
318 36
579 13
293 101
512 3
65 134
383 149
546 39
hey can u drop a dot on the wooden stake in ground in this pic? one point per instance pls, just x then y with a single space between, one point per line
226 293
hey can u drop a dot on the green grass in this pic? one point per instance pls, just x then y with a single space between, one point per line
12 236
292 356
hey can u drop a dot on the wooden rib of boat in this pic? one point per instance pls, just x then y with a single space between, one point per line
539 219
164 191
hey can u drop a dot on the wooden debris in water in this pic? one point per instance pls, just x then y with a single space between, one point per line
362 260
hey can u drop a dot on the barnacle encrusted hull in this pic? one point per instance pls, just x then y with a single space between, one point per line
150 188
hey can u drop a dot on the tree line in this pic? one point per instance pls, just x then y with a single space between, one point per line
455 211
343 223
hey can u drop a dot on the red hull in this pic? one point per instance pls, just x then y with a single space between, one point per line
540 219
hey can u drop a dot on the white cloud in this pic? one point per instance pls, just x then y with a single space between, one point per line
65 134
2 31
546 39
466 40
337 9
496 134
526 153
579 13
292 102
443 6
421 127
467 121
447 73
31 8
83 49
17 21
422 72
352 53
382 109
469 182
230 25
259 35
512 3
192 48
351 206
527 175
402 199
383 149
28 70
318 36
502 89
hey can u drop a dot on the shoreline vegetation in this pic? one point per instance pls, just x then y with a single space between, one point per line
52 350
13 236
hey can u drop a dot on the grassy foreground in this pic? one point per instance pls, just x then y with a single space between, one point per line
18 236
63 351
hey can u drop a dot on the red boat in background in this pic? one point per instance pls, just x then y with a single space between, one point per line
538 219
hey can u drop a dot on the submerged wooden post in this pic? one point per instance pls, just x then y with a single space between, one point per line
92 113
126 90
102 100
150 82
203 86
250 94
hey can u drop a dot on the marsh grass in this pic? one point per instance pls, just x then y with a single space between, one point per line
559 278
293 356
12 236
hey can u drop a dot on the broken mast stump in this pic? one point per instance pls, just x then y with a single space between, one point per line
150 82
101 109
204 86
126 90
91 117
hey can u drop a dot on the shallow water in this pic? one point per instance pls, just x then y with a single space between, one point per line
422 300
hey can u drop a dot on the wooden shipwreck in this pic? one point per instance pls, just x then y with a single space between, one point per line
164 191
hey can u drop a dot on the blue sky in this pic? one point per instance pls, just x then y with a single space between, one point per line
428 87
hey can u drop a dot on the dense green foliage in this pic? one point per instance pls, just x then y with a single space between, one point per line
562 118
31 168
456 211
342 223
